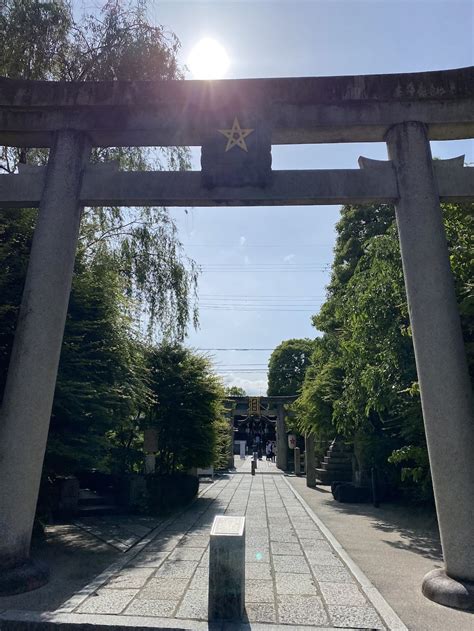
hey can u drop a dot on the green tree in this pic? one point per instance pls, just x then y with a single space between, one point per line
287 366
130 262
16 231
362 381
322 387
188 408
235 391
117 44
101 383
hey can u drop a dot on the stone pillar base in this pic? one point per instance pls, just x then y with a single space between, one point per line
443 589
23 578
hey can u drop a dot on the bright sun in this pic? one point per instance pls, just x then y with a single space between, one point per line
208 60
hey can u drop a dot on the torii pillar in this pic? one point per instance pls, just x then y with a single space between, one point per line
446 394
29 390
282 444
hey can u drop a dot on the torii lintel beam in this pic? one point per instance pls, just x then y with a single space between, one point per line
104 184
297 110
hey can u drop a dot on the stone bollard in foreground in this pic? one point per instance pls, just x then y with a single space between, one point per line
252 467
227 568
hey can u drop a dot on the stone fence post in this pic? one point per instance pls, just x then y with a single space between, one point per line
310 461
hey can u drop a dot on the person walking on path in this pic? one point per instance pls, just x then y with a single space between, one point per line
268 450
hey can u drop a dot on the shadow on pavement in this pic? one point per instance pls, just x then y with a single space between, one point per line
74 558
415 525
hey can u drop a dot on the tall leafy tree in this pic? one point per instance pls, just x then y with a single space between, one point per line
188 409
362 380
235 391
117 43
287 366
102 377
130 262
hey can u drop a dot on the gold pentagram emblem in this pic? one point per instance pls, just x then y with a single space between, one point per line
236 136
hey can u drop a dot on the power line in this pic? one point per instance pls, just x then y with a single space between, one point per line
242 371
261 296
287 246
265 271
244 365
259 305
263 265
241 309
236 349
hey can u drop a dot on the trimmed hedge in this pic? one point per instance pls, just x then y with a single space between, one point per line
167 492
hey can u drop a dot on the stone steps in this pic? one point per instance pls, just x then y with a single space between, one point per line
333 466
335 459
336 465
92 503
328 477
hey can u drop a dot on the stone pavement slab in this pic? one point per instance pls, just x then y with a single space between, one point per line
294 575
395 545
122 534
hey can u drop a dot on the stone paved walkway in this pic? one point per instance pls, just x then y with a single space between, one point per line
122 534
263 466
294 576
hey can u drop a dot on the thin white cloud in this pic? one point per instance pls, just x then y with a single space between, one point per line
246 260
242 241
289 257
255 387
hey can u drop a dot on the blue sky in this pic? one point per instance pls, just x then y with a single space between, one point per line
266 268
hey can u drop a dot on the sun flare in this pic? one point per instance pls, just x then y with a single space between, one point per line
208 60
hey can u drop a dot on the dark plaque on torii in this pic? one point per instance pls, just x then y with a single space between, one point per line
237 153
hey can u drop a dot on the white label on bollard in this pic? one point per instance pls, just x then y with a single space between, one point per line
228 526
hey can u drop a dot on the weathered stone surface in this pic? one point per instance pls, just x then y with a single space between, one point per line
316 543
108 601
441 588
194 605
23 577
258 570
446 391
130 578
159 608
258 591
186 554
298 584
177 569
321 557
29 389
163 589
297 458
310 461
298 597
299 110
285 536
282 443
293 564
148 559
243 159
357 617
286 548
300 609
261 612
332 574
342 594
227 568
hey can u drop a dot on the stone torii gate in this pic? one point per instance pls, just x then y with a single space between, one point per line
270 406
236 123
